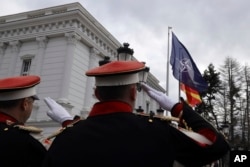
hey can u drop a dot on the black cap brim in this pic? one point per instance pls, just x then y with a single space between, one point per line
35 97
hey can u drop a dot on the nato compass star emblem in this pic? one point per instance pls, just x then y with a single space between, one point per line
186 67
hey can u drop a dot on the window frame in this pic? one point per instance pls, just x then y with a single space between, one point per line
26 64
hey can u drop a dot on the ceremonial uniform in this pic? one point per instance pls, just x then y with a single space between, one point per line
17 147
121 138
112 135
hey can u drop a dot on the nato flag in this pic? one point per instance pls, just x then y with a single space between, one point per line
184 68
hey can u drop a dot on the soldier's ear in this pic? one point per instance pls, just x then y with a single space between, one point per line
24 104
133 91
97 95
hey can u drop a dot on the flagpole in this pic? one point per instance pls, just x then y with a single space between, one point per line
167 79
179 91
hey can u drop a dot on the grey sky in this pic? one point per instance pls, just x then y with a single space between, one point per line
211 30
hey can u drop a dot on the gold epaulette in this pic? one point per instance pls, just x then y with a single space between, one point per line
166 118
31 129
161 117
77 119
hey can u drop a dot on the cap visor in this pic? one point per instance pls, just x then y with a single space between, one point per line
35 97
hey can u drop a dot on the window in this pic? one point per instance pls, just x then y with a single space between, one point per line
26 66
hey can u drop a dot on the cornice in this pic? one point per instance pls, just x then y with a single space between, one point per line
41 12
57 21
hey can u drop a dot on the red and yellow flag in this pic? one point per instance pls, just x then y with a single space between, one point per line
193 97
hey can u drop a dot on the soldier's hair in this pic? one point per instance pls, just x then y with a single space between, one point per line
9 104
112 92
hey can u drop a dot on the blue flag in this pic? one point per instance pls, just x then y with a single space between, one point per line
184 68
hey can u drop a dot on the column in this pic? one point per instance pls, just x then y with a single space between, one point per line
72 39
3 46
90 82
42 43
15 48
38 60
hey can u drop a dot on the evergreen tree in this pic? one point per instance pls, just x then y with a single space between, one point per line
208 98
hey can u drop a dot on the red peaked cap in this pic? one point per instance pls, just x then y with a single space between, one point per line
117 73
116 68
18 85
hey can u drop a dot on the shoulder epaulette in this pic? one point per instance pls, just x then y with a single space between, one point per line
31 129
151 116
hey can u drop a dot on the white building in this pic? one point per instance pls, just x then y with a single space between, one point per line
60 44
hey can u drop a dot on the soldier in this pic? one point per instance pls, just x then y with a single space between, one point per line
112 135
17 146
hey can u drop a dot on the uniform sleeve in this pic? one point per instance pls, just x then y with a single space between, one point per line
192 152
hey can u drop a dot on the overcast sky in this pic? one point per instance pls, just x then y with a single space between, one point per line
211 30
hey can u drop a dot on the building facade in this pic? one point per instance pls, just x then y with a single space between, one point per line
60 44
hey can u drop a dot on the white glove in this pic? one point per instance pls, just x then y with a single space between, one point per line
164 101
56 112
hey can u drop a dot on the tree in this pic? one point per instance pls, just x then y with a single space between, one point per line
246 119
231 81
208 98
